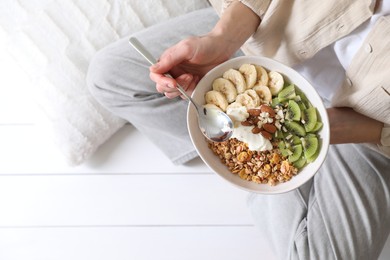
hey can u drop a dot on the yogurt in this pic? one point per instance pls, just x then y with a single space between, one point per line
237 113
255 142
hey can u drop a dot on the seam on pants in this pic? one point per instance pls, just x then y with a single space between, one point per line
302 200
326 227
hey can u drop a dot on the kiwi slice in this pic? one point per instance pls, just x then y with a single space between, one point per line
301 105
309 118
295 128
317 127
310 146
314 156
300 162
275 102
278 134
281 145
296 153
284 150
287 93
303 98
295 140
293 111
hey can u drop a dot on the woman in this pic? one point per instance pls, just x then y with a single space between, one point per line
341 47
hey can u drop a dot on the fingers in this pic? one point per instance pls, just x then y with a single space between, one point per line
191 86
183 51
168 63
168 85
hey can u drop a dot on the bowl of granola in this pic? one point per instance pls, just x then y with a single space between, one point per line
281 128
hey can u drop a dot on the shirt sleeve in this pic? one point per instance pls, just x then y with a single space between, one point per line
366 87
257 6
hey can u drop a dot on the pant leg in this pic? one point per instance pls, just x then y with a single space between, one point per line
118 78
343 213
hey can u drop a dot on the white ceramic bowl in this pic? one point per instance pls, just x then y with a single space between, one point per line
214 162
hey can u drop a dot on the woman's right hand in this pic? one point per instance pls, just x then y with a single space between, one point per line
190 59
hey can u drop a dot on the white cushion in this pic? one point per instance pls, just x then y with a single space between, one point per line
54 40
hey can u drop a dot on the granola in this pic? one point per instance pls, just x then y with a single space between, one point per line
265 167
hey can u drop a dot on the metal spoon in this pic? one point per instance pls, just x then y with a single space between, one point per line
214 124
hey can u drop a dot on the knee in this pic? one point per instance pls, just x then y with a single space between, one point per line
98 74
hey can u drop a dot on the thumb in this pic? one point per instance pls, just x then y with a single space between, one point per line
171 58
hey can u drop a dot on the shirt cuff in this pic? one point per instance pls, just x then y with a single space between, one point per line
258 7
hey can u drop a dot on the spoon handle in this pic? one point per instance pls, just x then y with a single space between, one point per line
142 50
149 57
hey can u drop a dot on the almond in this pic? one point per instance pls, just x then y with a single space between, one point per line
266 135
270 128
256 130
268 109
254 112
246 123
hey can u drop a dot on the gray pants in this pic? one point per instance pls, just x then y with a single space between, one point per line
342 213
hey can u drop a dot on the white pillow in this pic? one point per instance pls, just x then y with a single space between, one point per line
54 40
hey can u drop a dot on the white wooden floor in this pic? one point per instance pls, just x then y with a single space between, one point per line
126 202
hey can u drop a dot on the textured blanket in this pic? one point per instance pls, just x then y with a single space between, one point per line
54 40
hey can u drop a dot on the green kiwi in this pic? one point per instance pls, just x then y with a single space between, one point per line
281 145
300 162
287 93
293 111
296 153
298 141
310 146
303 98
278 134
275 102
309 118
284 150
301 105
295 140
308 135
314 156
295 128
317 127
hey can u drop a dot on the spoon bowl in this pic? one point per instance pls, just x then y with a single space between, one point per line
214 124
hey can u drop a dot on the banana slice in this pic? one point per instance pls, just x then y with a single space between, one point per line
276 82
212 106
237 78
226 87
216 98
264 93
252 93
250 74
234 105
246 100
262 75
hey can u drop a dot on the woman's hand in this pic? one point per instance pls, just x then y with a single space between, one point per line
190 59
349 126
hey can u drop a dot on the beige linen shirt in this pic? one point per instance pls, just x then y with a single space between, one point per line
294 31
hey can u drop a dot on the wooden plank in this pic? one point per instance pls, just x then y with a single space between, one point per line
29 150
140 243
91 200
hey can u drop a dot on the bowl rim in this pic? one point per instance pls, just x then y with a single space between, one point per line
284 69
